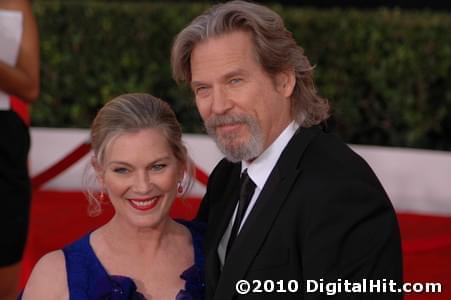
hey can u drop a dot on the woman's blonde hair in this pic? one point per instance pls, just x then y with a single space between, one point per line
132 113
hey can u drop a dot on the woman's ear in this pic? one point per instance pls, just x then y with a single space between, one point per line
181 172
97 168
285 82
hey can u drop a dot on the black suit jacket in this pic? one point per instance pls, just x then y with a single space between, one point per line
322 214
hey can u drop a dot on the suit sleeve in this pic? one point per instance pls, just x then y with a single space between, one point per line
204 208
202 213
352 235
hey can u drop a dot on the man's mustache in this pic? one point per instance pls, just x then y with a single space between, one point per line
222 120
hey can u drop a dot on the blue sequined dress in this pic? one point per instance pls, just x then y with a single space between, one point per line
88 279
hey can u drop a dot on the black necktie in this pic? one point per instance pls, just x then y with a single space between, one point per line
247 187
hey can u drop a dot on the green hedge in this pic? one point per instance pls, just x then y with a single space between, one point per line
387 73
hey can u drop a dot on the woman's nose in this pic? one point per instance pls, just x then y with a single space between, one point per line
142 182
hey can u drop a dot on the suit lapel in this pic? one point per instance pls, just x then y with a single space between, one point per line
264 213
217 224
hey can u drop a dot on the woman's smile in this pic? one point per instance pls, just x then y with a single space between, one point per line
144 204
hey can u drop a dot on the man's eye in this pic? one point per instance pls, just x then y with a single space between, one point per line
201 90
235 80
120 170
158 167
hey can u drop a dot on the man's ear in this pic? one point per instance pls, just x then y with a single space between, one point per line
285 82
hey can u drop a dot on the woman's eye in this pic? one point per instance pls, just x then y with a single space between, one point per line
120 170
158 167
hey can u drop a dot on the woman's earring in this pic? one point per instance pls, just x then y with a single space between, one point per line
101 197
179 187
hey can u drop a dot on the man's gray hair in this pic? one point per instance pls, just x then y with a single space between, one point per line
275 48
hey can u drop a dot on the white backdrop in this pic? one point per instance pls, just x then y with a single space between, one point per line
417 181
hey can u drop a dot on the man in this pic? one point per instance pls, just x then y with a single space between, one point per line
317 213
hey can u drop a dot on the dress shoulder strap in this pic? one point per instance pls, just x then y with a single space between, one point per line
83 269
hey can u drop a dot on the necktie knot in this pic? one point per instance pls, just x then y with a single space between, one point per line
247 187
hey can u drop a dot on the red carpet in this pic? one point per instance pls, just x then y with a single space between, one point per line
58 218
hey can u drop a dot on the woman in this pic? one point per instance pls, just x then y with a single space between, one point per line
141 253
19 86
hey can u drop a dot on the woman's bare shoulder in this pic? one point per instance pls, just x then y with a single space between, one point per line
48 280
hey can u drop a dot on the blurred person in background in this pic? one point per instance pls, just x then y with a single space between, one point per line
141 253
19 86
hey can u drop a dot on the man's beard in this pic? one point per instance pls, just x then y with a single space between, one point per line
233 150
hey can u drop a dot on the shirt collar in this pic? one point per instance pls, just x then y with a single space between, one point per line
260 168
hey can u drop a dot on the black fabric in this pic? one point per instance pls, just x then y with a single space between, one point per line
15 187
247 187
322 214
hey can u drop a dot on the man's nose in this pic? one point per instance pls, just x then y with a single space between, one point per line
221 102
